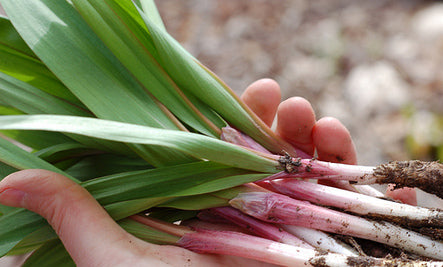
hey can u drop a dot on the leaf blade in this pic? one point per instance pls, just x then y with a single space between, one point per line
198 146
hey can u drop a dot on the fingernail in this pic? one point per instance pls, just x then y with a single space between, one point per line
12 197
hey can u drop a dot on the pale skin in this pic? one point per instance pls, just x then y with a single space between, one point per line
93 239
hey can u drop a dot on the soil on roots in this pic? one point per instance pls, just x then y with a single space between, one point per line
427 176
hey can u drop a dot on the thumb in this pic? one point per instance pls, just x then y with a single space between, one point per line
85 228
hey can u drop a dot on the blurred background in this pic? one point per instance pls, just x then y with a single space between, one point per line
375 65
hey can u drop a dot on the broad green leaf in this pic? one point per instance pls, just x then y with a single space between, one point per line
16 225
105 164
34 240
197 80
123 209
32 139
37 140
206 201
114 23
150 9
5 169
31 100
6 209
17 60
171 215
147 233
52 253
20 159
197 145
8 110
62 151
196 202
180 180
64 42
10 38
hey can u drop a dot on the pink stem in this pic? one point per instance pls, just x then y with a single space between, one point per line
276 208
358 203
247 246
259 228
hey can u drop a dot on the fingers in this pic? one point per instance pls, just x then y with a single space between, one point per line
333 142
263 98
295 122
80 222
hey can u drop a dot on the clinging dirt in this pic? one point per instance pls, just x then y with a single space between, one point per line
427 176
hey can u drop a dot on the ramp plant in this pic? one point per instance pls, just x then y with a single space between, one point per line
98 91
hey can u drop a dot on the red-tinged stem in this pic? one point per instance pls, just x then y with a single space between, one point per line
360 204
247 246
259 228
208 216
276 208
427 176
205 225
234 136
257 248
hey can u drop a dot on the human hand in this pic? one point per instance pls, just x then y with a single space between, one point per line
296 123
93 238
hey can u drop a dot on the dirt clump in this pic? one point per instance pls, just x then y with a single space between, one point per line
427 176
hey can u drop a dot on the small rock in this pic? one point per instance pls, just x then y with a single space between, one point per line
375 89
428 23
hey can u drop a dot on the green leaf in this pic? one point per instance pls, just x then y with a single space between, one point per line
171 215
105 164
114 23
197 80
123 209
20 159
52 253
198 146
37 140
17 60
206 201
16 225
5 169
180 180
10 38
196 202
32 139
34 240
150 9
147 233
31 100
64 42
63 151
8 110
